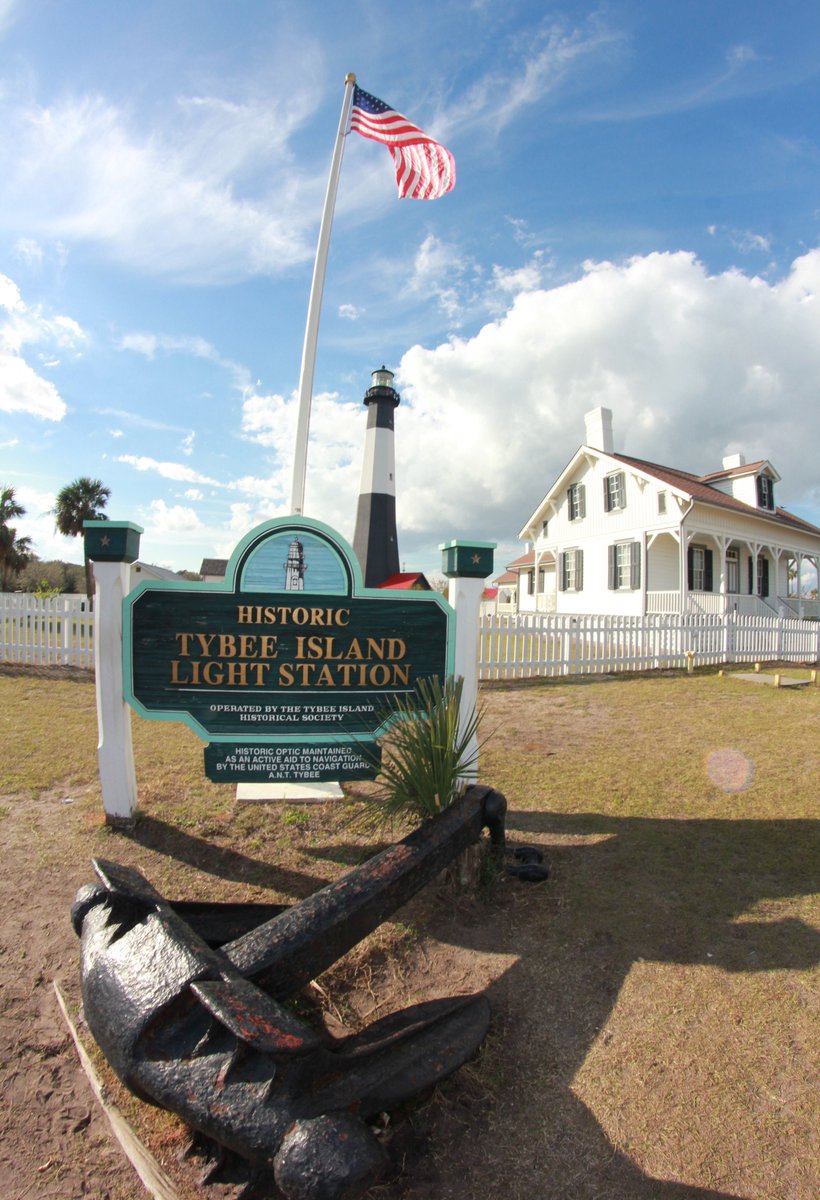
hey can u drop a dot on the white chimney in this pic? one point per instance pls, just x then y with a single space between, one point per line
733 460
599 429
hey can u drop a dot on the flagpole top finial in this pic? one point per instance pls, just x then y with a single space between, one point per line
350 77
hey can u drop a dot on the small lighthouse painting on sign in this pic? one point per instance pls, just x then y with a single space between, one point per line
295 567
294 564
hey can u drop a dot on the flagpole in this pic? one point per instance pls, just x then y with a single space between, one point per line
297 500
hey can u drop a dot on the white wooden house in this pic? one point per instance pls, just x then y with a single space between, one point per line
619 535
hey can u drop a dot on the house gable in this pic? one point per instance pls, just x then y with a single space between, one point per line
611 483
751 483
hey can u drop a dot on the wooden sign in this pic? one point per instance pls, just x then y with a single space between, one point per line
289 649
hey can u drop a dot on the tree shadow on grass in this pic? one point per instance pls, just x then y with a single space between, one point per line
622 891
221 861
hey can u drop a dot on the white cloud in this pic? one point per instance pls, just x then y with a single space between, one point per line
550 57
29 252
513 280
174 518
168 470
23 390
7 13
441 270
691 365
270 421
738 56
350 312
175 199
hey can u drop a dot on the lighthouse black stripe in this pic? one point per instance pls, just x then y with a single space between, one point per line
375 540
380 415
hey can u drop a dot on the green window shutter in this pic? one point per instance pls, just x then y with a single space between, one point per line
612 568
562 571
579 570
635 566
607 495
708 575
765 565
690 568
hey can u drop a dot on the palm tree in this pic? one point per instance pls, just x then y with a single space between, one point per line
15 552
82 500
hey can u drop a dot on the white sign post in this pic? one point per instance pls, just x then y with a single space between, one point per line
467 565
113 546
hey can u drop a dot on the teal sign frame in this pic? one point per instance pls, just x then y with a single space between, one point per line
290 648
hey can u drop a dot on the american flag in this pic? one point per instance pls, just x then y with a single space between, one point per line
425 170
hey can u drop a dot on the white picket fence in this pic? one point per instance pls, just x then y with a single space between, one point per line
60 632
527 645
55 632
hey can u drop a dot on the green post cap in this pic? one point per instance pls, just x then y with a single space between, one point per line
112 541
468 560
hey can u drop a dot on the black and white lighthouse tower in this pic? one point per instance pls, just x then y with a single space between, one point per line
375 540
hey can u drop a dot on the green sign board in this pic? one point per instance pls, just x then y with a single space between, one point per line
304 762
290 648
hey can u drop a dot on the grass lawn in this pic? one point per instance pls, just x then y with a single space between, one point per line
655 1001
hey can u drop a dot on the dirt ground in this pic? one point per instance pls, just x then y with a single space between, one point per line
542 1114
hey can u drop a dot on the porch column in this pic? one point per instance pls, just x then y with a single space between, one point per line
684 570
723 546
798 559
777 554
755 552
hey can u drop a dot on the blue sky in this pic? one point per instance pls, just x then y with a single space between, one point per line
636 223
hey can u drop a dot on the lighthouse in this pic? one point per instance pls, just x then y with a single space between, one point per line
375 540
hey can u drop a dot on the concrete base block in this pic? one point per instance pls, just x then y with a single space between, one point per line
287 793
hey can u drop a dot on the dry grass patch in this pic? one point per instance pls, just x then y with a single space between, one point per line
654 1002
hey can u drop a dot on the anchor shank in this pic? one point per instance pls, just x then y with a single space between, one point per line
285 953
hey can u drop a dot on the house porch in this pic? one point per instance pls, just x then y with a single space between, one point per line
709 573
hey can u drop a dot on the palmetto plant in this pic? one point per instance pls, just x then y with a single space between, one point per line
430 749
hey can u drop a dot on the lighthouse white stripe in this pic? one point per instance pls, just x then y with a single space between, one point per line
379 463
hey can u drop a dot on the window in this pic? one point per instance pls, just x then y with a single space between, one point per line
545 526
625 566
571 570
614 491
732 571
662 503
576 501
762 575
765 492
699 562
